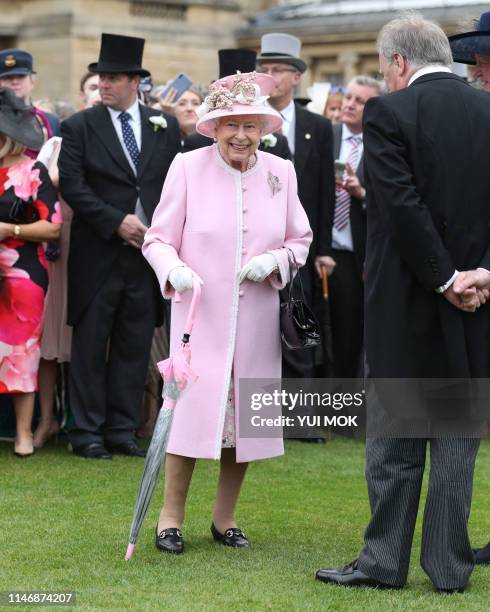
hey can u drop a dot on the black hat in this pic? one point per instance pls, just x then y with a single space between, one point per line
19 121
120 54
231 60
15 61
464 46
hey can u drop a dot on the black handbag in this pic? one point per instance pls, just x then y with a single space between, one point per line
299 326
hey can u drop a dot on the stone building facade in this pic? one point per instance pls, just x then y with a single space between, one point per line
64 35
339 38
184 35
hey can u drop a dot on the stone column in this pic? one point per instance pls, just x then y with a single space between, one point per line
348 61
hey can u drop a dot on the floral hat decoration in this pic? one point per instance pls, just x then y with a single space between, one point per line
238 94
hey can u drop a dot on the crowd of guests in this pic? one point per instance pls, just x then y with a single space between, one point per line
55 335
101 216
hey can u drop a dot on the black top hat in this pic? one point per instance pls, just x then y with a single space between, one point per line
464 46
231 60
19 121
120 54
15 61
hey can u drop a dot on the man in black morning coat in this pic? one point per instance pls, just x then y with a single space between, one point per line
113 162
428 211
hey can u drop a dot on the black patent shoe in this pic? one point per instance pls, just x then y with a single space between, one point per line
94 450
129 448
233 537
482 555
169 540
351 576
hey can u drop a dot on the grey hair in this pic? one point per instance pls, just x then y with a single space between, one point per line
367 81
420 41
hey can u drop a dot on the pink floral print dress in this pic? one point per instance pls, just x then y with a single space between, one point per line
23 274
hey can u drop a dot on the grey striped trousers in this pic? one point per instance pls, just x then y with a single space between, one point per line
394 471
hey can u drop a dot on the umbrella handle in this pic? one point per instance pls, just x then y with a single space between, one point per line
324 282
191 315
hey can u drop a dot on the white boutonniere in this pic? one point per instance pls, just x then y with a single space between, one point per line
274 183
158 122
269 140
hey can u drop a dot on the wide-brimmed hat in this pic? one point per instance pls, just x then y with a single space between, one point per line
120 54
238 94
15 62
464 46
18 121
283 48
232 61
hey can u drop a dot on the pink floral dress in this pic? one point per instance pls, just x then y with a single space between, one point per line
23 275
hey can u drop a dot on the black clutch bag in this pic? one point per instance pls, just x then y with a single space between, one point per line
299 326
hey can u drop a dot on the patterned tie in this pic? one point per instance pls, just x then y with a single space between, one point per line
129 138
342 197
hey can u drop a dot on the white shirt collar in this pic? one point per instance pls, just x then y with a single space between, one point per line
133 110
347 133
427 70
288 113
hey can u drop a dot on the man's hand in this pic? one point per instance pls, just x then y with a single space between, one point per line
470 290
324 261
132 231
472 278
352 184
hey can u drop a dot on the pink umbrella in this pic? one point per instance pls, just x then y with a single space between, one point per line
177 374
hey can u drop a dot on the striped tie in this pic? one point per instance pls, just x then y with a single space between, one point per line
342 197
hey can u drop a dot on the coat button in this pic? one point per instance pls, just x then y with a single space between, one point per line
245 209
240 293
244 229
244 188
244 250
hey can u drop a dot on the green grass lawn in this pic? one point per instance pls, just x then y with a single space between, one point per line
64 523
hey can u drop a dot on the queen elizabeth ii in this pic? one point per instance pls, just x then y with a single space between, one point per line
228 215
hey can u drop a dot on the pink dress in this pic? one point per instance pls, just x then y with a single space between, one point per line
56 337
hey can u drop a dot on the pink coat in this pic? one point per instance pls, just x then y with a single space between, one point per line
214 219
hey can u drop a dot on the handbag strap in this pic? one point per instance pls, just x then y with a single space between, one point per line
293 266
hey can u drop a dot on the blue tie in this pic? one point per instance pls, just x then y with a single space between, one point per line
129 138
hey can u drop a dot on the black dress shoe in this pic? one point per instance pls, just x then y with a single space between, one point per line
129 448
233 537
452 591
169 540
94 450
482 555
349 575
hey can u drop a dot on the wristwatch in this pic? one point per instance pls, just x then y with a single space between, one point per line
16 231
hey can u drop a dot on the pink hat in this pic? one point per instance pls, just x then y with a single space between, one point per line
238 94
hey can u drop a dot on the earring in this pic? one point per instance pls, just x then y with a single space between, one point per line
215 139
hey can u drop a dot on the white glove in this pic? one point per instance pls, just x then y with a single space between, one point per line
258 268
181 278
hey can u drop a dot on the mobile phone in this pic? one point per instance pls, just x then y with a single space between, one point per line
181 83
339 168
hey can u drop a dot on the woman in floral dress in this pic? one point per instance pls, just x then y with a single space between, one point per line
29 215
